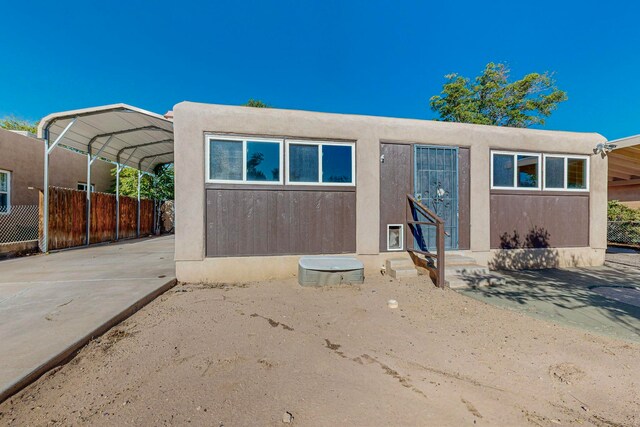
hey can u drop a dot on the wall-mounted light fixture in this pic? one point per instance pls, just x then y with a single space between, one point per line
604 148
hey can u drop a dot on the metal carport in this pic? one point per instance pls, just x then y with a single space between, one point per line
118 133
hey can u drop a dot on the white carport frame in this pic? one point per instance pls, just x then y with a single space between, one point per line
118 133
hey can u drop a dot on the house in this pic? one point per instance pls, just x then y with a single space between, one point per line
22 169
258 188
624 171
22 178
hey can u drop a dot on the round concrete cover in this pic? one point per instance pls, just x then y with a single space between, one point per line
330 263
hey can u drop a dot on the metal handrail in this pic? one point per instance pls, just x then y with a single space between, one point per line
437 222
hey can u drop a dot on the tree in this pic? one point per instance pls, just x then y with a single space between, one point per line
492 100
159 187
14 123
256 103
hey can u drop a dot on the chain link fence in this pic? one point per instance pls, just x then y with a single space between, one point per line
19 225
623 233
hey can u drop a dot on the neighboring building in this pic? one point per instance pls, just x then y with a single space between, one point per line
624 171
22 170
257 188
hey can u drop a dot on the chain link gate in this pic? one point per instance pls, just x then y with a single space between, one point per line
623 233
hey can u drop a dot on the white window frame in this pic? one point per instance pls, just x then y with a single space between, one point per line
93 187
8 192
320 144
515 155
566 158
401 248
244 140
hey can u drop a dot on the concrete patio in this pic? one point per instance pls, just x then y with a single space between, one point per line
604 300
51 305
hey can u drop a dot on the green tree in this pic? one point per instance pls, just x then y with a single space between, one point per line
159 187
256 103
492 100
14 123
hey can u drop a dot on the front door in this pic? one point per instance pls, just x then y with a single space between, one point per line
436 186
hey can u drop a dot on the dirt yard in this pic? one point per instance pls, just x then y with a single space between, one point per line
247 354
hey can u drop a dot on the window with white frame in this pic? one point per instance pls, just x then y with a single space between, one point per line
566 172
243 160
5 191
82 186
320 163
515 170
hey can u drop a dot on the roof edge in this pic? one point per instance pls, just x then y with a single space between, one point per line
49 119
192 104
627 141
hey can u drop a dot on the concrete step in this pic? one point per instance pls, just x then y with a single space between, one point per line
400 272
468 269
401 267
394 263
455 260
461 283
466 277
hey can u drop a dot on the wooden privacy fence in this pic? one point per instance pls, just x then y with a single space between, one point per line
68 222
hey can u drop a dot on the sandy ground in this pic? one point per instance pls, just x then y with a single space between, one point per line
246 354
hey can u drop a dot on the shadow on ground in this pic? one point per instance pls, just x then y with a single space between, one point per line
604 300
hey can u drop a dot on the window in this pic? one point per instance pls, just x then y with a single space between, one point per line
554 172
568 173
82 186
5 191
395 237
249 160
515 170
323 163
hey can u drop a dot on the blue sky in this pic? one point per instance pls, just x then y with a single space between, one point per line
363 57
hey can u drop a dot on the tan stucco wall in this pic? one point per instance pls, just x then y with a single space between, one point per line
192 120
234 269
23 156
628 195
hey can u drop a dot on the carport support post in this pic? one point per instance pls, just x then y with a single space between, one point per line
45 214
88 198
47 150
138 215
117 201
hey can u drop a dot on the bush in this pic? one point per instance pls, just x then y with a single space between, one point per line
624 224
616 211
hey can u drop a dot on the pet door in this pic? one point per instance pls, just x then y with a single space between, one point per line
395 237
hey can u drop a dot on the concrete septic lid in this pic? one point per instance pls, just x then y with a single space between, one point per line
330 263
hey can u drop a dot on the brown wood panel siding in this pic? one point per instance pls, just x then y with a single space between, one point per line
281 187
539 220
251 222
396 179
464 198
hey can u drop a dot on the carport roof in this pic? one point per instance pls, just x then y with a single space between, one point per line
119 133
624 161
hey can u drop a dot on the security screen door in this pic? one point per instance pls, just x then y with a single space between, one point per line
436 186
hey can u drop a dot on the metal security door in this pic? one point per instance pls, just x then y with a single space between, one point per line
436 187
